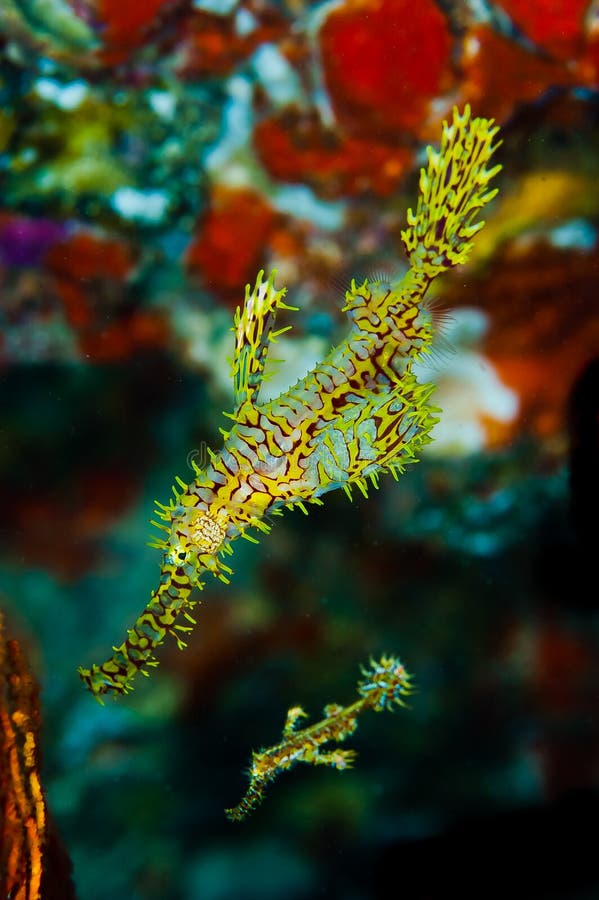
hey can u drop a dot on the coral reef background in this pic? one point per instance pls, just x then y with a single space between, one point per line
152 158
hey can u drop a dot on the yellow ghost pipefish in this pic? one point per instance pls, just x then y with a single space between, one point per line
359 412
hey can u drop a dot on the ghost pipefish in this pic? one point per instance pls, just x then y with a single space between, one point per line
359 413
383 685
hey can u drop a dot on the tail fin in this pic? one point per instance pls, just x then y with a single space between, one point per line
136 653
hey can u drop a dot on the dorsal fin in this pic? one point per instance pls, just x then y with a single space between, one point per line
253 327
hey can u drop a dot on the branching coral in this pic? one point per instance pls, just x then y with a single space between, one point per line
386 683
359 413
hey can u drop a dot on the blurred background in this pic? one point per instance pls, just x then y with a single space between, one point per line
153 157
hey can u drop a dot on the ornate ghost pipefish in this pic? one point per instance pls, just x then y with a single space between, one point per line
358 413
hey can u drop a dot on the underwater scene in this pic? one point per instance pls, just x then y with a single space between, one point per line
299 449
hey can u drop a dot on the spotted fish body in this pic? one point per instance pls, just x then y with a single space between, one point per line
358 413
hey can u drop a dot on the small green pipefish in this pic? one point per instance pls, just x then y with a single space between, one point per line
359 413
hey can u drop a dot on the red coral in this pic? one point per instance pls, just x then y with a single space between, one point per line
81 516
499 74
91 279
212 45
231 238
295 147
127 24
589 64
544 326
136 331
384 61
555 25
86 256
